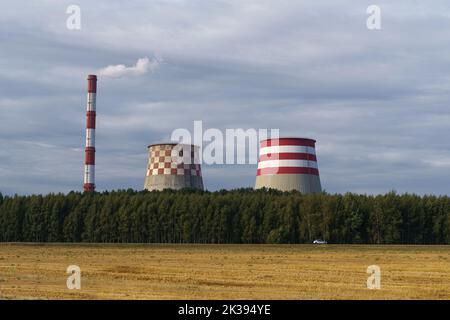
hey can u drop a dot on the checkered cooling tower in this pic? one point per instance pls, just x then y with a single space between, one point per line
164 171
288 164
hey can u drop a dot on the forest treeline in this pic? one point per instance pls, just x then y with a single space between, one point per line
236 216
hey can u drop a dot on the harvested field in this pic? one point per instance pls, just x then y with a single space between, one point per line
38 271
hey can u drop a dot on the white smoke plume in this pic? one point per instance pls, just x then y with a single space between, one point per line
142 66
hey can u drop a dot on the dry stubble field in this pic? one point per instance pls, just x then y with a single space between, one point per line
37 271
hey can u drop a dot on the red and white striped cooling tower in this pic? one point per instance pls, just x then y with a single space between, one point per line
89 160
288 164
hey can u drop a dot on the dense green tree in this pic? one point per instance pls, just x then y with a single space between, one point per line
236 216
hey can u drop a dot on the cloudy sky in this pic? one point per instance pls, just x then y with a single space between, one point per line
376 101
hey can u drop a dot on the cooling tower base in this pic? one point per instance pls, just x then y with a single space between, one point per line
305 183
161 182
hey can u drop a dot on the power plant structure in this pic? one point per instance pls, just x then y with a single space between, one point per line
288 164
89 159
285 164
173 166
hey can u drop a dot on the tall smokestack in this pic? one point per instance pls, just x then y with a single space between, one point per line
89 160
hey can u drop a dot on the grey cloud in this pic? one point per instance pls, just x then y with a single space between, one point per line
377 102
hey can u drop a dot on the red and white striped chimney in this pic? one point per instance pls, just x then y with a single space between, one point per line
89 160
